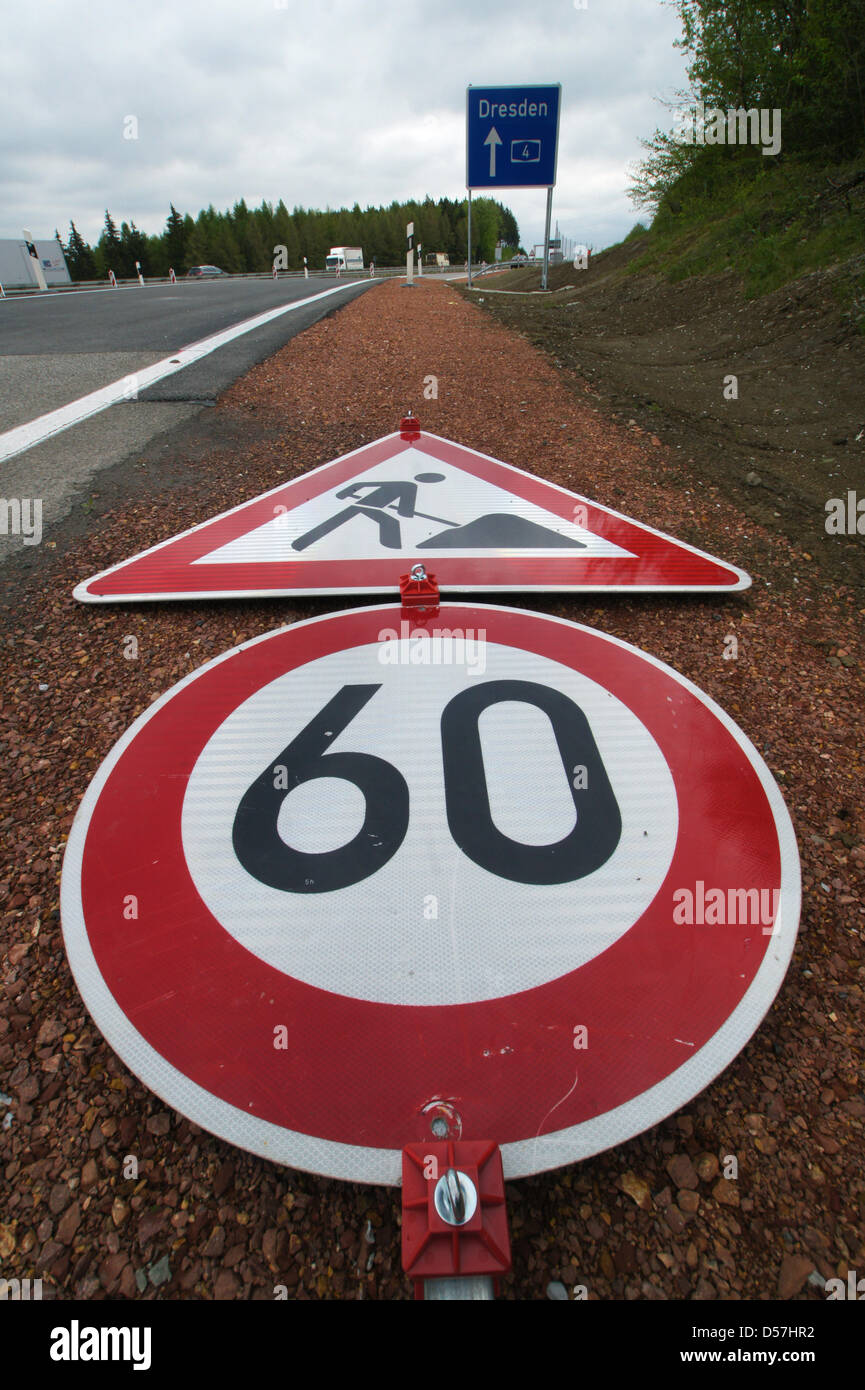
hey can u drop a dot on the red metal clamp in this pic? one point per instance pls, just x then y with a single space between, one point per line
409 427
454 1219
417 589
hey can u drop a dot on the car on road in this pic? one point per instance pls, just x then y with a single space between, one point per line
202 272
518 260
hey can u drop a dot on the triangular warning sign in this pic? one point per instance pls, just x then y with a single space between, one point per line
356 524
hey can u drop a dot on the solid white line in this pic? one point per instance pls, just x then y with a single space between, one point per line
52 295
16 441
55 292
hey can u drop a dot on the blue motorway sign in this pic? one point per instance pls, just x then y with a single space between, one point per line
512 136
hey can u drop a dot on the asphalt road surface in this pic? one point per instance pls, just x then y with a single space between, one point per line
56 348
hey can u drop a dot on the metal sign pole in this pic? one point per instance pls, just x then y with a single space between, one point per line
470 1288
469 234
547 239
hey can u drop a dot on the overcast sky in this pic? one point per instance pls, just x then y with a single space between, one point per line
329 102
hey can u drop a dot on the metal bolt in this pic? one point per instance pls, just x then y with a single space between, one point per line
456 1198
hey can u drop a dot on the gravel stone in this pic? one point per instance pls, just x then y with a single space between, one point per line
159 1272
78 1112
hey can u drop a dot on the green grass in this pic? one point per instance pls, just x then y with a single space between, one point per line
761 218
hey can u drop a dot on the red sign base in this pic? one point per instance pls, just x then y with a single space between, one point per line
433 1248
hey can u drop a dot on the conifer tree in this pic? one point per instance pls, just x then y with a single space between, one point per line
79 257
174 241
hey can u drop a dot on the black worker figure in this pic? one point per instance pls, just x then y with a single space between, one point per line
383 498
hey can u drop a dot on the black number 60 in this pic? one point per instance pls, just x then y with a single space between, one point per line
266 856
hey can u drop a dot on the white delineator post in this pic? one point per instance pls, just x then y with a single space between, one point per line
409 255
305 269
112 279
34 257
419 259
138 272
172 278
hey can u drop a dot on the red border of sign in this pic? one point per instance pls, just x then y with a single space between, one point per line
168 570
651 1001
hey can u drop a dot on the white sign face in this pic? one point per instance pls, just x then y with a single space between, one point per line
395 959
412 504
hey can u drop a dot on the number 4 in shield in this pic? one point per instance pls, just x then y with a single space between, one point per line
525 151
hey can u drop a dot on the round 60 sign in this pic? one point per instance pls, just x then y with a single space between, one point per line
371 879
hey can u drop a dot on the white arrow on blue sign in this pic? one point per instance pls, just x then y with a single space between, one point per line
512 136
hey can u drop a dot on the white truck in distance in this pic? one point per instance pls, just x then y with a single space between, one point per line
344 258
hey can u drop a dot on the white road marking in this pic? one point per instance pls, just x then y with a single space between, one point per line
51 294
23 437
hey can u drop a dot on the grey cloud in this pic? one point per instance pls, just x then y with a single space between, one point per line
321 104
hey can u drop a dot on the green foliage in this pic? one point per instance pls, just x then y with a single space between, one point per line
108 248
769 222
79 257
133 248
485 224
245 239
172 244
804 58
729 207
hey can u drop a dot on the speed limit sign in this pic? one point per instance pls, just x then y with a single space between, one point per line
379 872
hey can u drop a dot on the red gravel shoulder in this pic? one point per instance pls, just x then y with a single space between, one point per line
654 1218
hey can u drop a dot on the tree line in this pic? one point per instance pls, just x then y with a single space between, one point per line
242 239
804 58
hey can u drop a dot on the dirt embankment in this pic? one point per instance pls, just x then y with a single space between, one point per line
661 355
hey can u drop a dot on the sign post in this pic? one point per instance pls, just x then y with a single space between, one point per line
469 235
546 269
512 136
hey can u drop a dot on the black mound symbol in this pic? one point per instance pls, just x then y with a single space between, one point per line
500 531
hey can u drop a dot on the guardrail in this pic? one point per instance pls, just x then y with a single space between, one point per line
77 286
